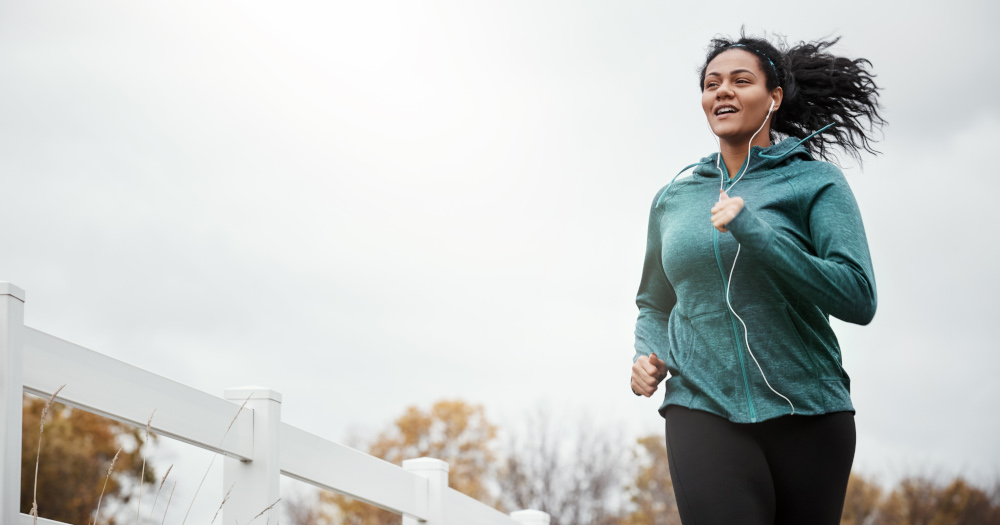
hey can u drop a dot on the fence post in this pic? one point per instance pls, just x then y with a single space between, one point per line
11 390
530 517
255 484
435 472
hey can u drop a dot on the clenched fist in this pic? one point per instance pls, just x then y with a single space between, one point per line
647 372
725 210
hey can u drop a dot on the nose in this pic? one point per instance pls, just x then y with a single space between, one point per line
725 90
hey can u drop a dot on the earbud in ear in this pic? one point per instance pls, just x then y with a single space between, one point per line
772 105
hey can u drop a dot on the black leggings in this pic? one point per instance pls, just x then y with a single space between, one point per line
792 469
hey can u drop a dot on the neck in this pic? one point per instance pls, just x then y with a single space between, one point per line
734 152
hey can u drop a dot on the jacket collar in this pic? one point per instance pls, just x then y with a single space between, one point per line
761 159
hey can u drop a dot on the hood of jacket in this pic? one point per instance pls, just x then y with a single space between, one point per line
760 159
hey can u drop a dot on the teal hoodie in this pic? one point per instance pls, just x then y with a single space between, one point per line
803 257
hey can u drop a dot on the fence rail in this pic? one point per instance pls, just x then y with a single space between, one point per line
258 449
122 392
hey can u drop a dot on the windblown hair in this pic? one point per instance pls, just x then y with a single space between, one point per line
819 89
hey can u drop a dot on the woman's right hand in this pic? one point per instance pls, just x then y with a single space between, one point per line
647 372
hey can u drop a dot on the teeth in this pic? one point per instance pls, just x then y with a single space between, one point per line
726 110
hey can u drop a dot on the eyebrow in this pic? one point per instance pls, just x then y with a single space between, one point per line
733 72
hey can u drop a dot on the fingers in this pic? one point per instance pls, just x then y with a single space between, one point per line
725 211
641 389
718 205
721 218
720 224
647 372
661 367
642 382
642 377
652 367
735 203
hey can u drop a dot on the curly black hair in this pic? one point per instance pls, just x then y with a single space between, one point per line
819 89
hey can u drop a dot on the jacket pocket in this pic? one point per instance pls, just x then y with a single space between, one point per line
777 346
825 363
679 335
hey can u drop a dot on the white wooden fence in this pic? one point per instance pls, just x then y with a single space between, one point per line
257 449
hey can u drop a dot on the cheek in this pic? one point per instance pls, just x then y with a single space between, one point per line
706 103
761 103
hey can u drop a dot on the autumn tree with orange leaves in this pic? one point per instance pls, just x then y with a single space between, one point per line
77 448
452 431
651 492
921 500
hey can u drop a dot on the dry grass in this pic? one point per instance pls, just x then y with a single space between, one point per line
221 441
110 468
224 500
269 507
162 481
38 456
168 503
143 474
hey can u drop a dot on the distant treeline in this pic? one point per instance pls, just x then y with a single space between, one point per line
578 472
921 500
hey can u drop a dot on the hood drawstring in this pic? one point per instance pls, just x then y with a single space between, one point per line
797 144
664 194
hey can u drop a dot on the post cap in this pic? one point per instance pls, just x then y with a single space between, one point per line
530 517
12 290
240 393
414 465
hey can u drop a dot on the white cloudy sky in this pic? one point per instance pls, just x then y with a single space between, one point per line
366 205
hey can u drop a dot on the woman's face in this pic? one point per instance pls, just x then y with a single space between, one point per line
735 96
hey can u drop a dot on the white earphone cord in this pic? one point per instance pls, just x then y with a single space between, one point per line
722 183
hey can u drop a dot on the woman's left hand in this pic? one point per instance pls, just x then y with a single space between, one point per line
725 210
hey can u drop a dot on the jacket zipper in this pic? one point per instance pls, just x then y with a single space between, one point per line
732 321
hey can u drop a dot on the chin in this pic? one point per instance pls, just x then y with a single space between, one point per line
726 133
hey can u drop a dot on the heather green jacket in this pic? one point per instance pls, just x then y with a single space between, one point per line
803 258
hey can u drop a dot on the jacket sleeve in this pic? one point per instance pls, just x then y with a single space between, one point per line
838 278
656 297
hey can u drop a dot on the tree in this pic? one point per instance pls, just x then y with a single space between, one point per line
652 492
861 503
918 500
452 431
305 509
574 476
963 504
77 448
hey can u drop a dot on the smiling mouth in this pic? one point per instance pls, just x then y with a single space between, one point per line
725 110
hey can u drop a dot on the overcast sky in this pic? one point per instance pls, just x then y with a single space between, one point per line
367 205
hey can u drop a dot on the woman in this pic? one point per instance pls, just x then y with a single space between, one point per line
745 261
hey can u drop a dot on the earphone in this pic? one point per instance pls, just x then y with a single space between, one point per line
729 282
722 182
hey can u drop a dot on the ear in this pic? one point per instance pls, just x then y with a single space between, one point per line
777 95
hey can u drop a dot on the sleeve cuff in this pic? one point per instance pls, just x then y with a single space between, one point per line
751 232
